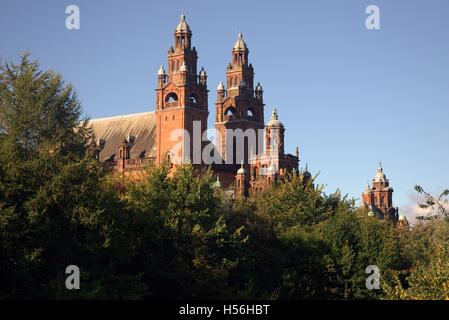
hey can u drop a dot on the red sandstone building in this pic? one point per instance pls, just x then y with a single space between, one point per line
130 142
379 198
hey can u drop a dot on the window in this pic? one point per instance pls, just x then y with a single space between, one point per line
194 98
249 113
230 111
171 97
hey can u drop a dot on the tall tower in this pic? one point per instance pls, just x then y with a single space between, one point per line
274 135
380 196
239 107
181 99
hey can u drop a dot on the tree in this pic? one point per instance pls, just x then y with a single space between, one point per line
184 247
440 204
55 208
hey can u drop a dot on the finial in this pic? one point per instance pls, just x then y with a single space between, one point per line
218 177
297 152
240 34
274 114
306 167
182 15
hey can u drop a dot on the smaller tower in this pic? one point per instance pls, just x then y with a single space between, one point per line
380 196
241 183
403 223
274 135
125 150
161 77
259 93
203 77
220 92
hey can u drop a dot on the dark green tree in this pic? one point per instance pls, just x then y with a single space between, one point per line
55 209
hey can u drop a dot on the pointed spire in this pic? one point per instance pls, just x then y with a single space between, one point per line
182 27
240 44
161 71
220 86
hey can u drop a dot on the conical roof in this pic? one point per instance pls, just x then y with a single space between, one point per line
274 122
240 44
183 27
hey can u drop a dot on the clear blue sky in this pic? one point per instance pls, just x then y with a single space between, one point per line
348 96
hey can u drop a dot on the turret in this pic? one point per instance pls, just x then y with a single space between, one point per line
161 77
241 182
274 135
203 76
220 91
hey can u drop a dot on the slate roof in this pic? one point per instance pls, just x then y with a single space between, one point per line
114 130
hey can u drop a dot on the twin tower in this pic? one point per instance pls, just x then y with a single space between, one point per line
182 96
182 103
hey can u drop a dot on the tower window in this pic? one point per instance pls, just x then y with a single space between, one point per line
230 111
249 113
171 97
193 98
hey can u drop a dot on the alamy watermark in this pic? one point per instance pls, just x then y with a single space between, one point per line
205 152
73 20
73 280
373 280
372 22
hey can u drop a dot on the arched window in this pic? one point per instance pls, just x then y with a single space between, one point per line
249 113
194 98
171 97
230 111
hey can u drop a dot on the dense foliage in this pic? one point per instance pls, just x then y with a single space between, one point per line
165 235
